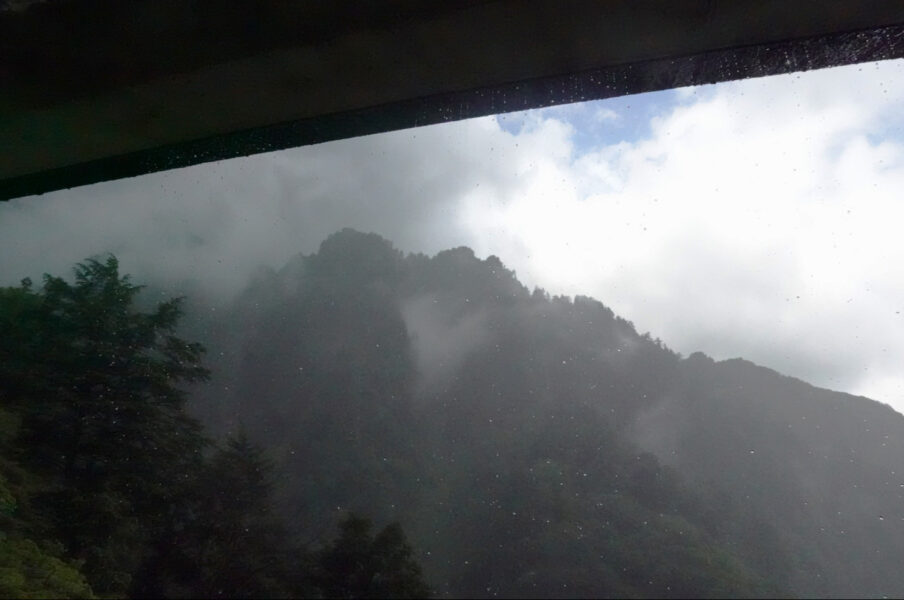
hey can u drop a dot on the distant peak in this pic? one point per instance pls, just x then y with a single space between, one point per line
355 254
348 236
459 253
700 357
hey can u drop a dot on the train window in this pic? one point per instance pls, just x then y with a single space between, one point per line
643 346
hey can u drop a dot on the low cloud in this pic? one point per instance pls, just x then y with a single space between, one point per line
604 114
441 340
757 218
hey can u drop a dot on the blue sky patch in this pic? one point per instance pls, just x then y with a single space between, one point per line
599 123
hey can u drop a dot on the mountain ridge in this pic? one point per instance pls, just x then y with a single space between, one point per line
441 392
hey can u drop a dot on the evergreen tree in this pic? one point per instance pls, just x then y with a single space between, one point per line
29 571
242 546
102 476
102 421
360 565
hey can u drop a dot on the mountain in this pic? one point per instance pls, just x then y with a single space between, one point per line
540 446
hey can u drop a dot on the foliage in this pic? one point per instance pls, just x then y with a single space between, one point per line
360 565
94 383
101 463
239 545
530 445
27 571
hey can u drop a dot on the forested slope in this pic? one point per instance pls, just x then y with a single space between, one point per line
470 436
537 445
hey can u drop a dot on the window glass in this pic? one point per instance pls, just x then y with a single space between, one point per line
576 351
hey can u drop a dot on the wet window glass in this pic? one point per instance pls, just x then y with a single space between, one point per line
649 346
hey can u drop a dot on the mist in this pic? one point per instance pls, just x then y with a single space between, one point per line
753 218
441 340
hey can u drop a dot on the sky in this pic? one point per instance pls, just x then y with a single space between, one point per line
758 218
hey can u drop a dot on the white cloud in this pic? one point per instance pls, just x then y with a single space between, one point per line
757 219
604 114
760 218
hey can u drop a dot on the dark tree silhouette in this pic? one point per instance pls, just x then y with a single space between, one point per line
360 565
94 382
